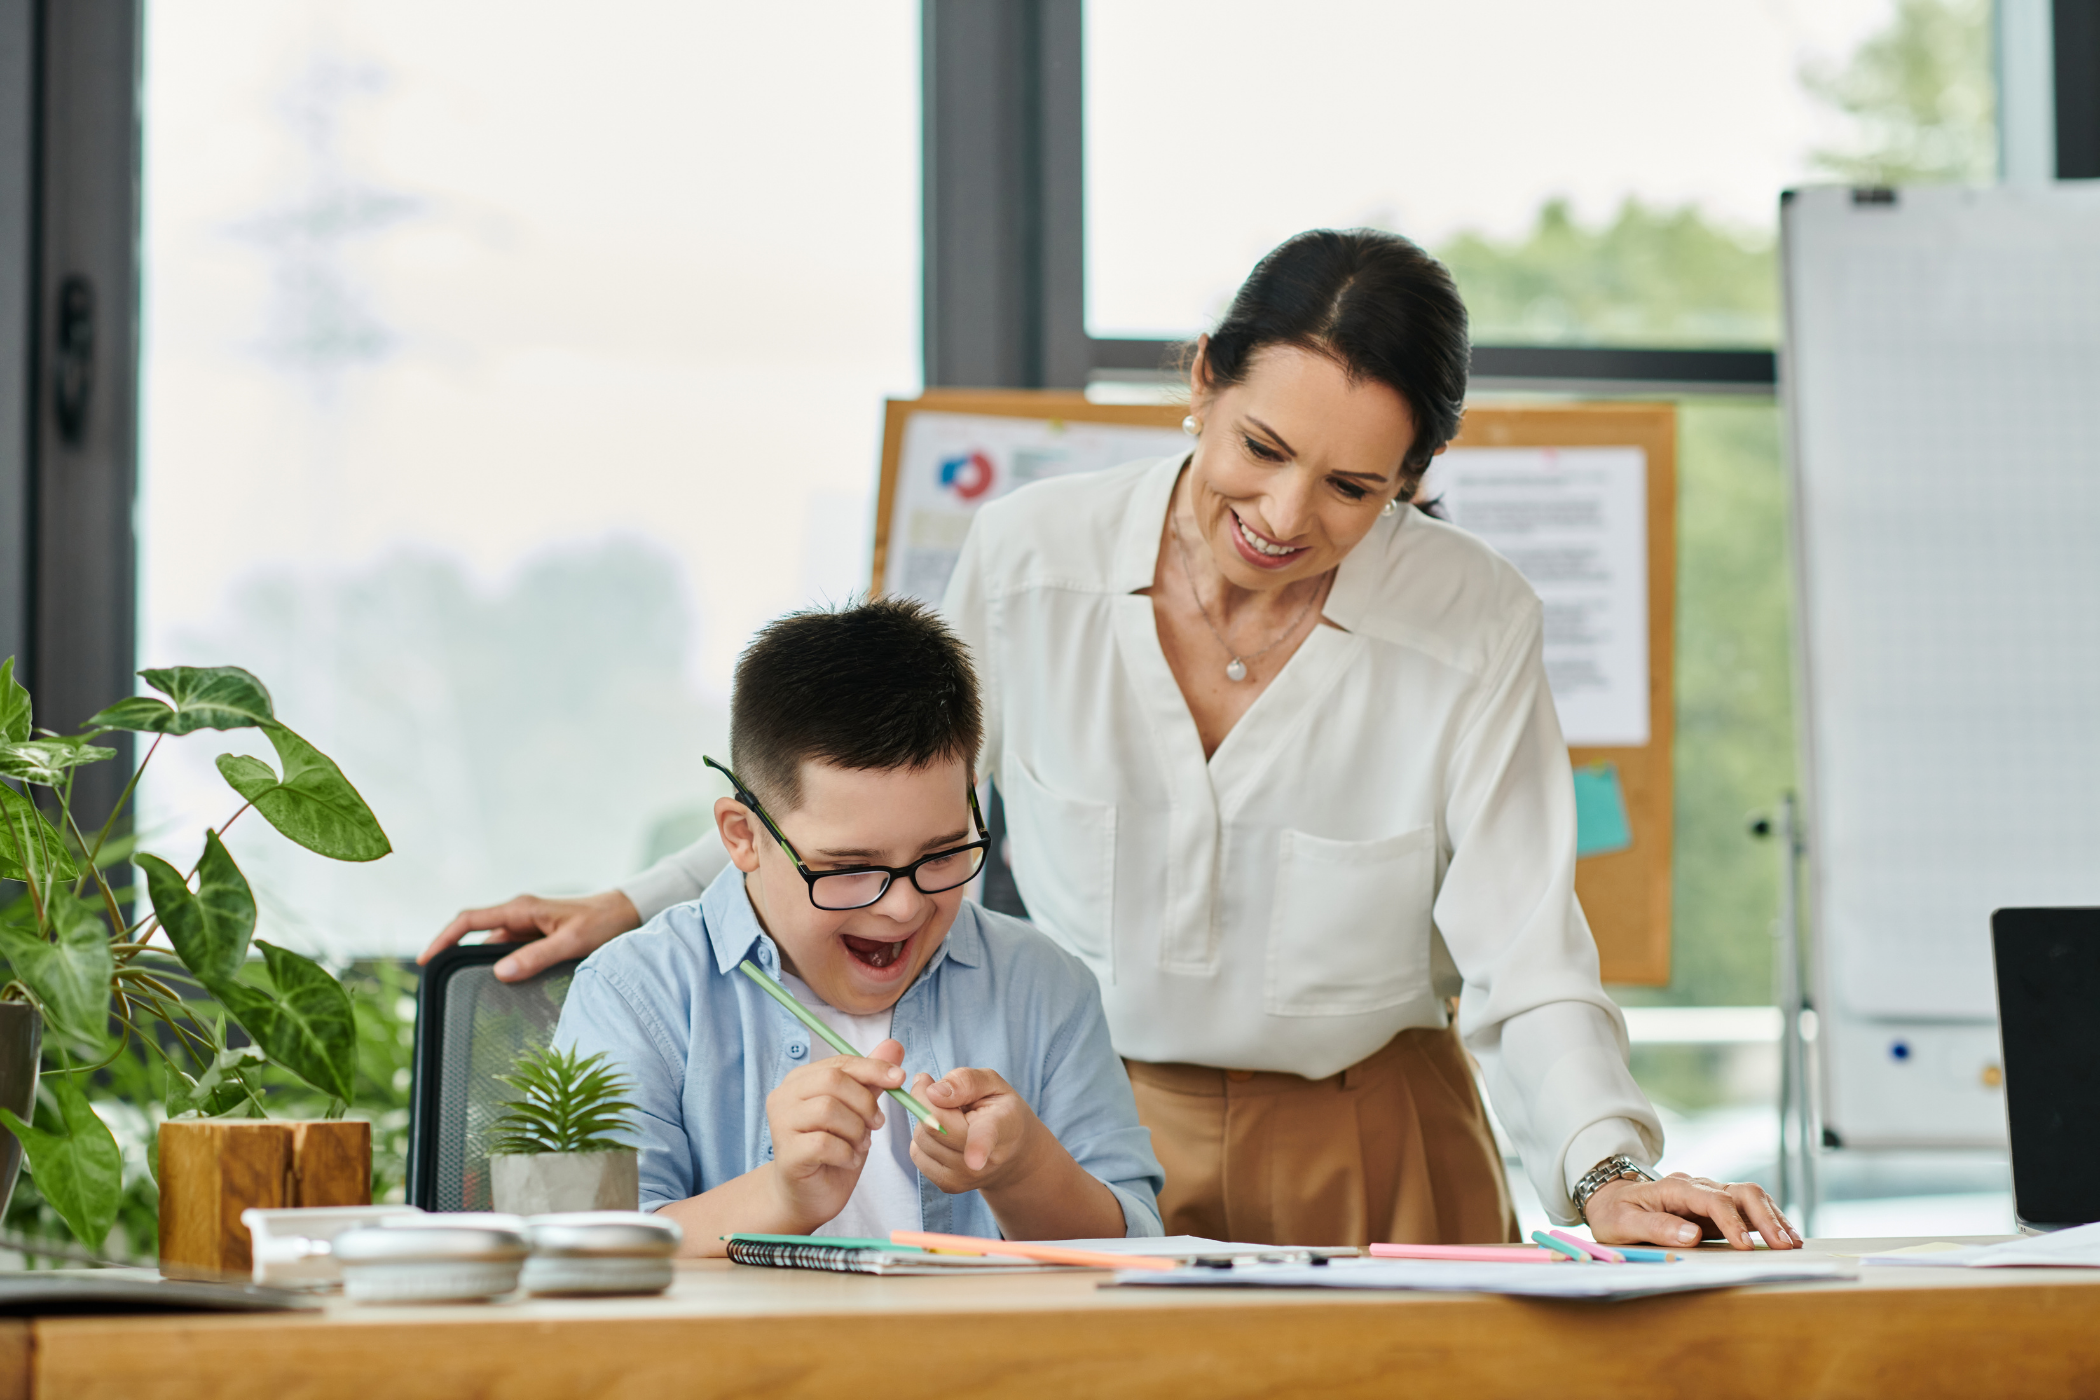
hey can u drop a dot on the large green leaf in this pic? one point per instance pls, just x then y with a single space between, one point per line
313 803
206 697
69 974
46 760
29 845
308 1027
210 929
14 705
80 1168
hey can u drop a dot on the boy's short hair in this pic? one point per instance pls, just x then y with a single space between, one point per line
873 685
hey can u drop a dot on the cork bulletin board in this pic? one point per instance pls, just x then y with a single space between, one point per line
949 451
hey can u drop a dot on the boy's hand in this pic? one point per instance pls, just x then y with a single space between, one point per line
996 1144
993 1140
822 1116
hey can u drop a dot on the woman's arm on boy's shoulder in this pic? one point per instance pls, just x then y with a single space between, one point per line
549 931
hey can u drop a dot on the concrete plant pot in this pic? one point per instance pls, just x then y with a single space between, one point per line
549 1183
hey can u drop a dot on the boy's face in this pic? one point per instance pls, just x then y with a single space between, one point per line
858 960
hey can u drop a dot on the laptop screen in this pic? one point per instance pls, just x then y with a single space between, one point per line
2049 1021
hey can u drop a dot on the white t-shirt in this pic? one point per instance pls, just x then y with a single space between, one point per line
886 1197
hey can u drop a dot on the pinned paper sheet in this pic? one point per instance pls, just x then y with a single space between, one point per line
1600 811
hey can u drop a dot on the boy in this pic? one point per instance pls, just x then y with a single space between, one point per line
851 836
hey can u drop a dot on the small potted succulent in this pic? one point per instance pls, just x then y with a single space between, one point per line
555 1148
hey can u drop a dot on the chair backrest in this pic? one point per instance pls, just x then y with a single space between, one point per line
469 1029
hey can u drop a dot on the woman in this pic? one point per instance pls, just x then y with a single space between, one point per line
1280 763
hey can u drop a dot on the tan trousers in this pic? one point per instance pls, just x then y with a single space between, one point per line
1395 1148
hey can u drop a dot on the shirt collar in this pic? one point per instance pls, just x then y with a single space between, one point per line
1356 579
1137 549
733 930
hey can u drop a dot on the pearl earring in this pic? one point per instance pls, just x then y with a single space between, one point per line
1391 506
1190 426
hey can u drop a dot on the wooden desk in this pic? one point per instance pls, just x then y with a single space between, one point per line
729 1330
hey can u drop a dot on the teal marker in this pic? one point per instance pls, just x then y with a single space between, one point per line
831 1037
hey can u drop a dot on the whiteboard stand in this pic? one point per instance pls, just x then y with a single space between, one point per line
1800 1134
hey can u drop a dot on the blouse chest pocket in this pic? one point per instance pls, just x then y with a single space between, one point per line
1064 851
1350 929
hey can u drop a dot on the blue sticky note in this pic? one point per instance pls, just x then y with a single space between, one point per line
1600 811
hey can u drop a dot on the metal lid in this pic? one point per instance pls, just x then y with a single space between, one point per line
455 1238
603 1233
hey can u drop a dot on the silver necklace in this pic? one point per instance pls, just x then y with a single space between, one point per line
1236 668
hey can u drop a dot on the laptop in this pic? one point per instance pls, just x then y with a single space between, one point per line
2049 1027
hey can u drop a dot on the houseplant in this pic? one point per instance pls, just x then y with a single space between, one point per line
91 972
554 1148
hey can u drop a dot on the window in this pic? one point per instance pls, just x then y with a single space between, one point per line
1636 140
506 365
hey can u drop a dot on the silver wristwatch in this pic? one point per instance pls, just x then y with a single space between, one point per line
1610 1169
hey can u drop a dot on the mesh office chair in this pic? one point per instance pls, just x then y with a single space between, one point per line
469 1029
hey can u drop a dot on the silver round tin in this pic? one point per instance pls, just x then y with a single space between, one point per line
432 1258
600 1251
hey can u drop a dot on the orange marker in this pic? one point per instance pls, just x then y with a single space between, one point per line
1041 1253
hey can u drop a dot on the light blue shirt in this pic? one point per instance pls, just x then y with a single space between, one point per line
704 1046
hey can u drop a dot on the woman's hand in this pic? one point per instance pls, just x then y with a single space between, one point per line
560 929
1681 1210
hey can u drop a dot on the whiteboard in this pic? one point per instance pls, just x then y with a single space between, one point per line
1941 378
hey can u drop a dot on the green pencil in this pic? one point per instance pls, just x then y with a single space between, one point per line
1560 1246
831 1037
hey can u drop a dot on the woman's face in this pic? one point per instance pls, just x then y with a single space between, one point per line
1293 464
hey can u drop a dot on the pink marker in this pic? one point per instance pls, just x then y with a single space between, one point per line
1475 1253
1603 1254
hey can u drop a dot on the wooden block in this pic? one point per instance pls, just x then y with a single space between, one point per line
209 1173
332 1163
212 1171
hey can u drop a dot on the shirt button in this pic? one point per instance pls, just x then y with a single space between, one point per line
1239 1076
797 1051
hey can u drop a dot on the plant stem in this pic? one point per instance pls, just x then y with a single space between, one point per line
223 830
122 1041
122 798
109 898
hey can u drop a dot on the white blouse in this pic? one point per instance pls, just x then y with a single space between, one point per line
1391 822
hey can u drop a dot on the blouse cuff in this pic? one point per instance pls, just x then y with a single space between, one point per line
678 877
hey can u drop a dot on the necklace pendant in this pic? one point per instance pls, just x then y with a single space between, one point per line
1235 670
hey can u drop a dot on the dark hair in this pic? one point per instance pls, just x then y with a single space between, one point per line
879 684
1373 302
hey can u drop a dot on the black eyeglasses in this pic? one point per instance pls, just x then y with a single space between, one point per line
859 886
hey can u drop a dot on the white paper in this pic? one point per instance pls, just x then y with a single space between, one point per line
1599 1281
1574 521
952 463
2077 1248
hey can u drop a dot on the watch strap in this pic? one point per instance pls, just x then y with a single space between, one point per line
1616 1167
